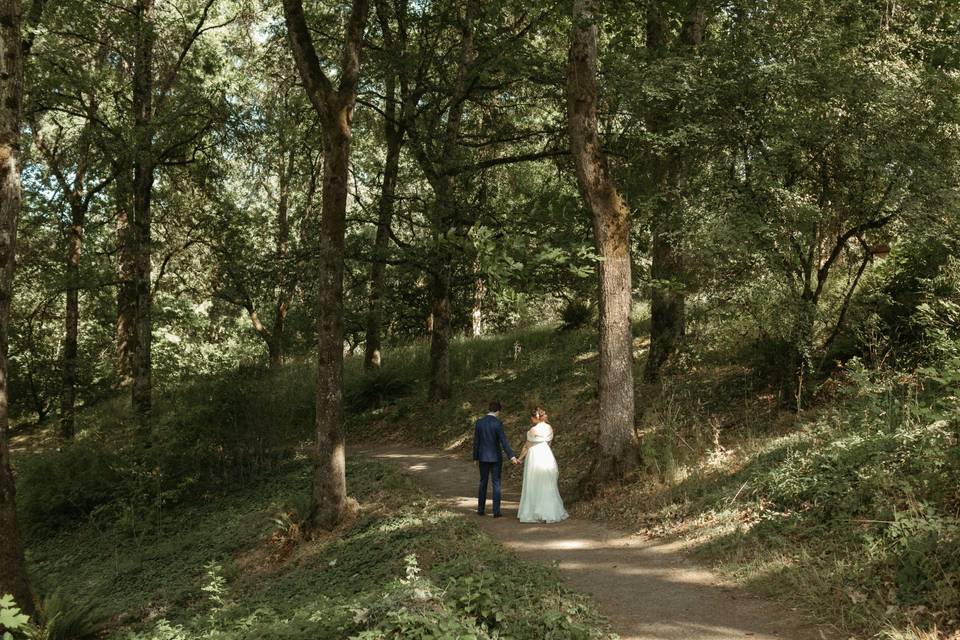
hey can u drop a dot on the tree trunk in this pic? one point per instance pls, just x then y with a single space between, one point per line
329 503
667 296
68 387
329 478
143 170
13 571
394 137
447 217
617 451
126 281
800 364
440 285
285 281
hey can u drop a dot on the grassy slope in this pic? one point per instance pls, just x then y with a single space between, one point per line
227 569
848 511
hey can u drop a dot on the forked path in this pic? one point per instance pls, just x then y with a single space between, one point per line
645 587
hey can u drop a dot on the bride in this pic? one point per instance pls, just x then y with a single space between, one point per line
540 499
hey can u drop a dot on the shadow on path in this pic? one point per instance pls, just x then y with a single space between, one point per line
646 588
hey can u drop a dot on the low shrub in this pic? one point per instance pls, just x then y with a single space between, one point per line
576 314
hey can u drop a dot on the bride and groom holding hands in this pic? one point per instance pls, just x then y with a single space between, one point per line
540 499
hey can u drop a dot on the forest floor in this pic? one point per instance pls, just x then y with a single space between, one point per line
645 587
843 515
234 567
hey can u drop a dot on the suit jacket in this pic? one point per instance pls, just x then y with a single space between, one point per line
488 439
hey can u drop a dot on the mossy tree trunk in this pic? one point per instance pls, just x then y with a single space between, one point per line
13 571
334 105
617 450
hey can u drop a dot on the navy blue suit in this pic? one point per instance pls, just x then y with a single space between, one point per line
488 440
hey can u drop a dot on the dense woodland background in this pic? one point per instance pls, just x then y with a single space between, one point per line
767 191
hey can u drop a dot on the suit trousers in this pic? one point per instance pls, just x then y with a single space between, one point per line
488 469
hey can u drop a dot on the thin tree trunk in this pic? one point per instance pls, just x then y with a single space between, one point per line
667 297
126 329
68 387
394 137
285 281
143 171
329 503
617 452
479 293
13 571
440 285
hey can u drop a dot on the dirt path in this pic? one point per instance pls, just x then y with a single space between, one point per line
646 588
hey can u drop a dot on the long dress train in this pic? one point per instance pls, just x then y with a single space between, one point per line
540 499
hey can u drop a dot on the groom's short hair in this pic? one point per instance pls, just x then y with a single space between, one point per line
494 406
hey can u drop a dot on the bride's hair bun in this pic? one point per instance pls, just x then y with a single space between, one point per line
539 414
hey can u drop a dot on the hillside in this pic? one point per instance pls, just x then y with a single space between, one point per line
848 511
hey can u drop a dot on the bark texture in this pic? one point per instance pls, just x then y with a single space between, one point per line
617 451
13 571
143 173
329 502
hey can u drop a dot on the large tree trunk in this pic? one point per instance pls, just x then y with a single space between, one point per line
13 571
68 386
378 268
329 479
667 296
126 329
143 170
329 503
611 224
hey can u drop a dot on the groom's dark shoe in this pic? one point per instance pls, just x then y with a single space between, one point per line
480 513
498 515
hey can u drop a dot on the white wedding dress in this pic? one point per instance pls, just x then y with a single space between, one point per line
540 499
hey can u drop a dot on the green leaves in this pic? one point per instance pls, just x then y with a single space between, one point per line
11 619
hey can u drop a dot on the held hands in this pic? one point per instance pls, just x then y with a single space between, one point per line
514 460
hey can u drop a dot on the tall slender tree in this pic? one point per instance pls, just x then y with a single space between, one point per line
79 190
667 168
334 105
144 164
611 226
13 571
394 132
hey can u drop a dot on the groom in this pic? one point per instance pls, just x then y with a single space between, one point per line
488 438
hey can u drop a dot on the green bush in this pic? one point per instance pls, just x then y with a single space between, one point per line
576 314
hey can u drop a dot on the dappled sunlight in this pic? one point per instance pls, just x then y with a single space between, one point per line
586 356
645 586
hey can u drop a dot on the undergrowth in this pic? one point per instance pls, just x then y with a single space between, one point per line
404 568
